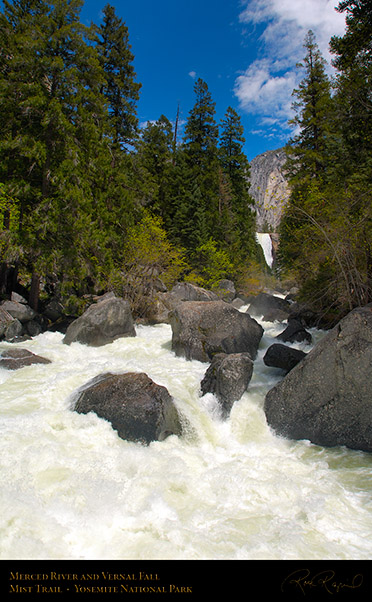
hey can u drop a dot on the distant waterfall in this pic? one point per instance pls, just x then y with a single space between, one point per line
264 240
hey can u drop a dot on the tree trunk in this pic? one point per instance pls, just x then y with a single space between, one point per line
34 292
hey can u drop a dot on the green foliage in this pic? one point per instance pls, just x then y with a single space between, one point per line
9 226
149 262
213 263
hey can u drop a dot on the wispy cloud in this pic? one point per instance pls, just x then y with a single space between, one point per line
265 87
192 74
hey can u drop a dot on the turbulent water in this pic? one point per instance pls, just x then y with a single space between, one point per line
71 489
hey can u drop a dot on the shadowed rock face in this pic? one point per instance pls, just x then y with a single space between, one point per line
102 323
202 329
326 398
138 409
283 357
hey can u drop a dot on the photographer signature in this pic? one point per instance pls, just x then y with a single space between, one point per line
304 581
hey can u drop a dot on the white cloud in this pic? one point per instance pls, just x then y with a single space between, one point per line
192 74
265 88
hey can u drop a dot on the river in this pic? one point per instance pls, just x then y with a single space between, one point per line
72 489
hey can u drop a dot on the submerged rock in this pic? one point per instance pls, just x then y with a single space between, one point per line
138 409
13 359
228 378
102 323
326 398
202 329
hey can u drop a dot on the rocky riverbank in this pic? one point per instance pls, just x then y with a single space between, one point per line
323 395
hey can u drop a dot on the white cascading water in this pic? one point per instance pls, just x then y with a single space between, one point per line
72 489
265 242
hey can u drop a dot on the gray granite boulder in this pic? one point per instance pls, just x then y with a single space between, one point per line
20 311
225 290
102 323
327 397
137 408
202 329
10 328
228 378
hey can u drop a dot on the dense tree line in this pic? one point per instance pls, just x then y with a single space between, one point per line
85 195
326 233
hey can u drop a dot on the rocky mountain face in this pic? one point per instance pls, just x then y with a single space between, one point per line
269 188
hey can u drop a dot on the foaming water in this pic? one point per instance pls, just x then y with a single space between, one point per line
72 489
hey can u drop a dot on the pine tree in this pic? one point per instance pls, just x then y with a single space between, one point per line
201 152
308 149
120 89
156 153
353 61
235 166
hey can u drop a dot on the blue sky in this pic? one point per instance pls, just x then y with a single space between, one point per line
245 50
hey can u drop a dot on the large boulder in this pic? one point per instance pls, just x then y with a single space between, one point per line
283 357
264 303
327 398
138 409
228 378
202 329
185 291
164 302
19 311
13 359
102 323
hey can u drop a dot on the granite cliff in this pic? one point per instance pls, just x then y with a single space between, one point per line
269 188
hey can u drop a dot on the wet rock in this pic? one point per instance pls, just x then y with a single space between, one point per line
283 357
326 398
102 323
202 329
264 303
13 359
137 408
295 333
228 378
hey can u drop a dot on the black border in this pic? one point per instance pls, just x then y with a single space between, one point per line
199 580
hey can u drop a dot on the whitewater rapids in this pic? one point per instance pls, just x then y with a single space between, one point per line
72 489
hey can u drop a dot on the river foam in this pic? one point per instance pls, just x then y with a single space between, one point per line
72 489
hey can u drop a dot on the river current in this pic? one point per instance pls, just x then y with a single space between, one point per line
233 490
